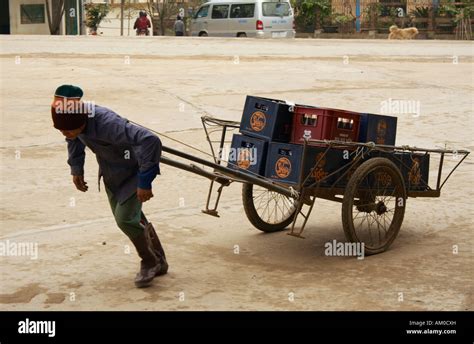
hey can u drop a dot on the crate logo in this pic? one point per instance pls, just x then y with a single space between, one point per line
245 159
414 176
319 173
383 178
283 167
258 121
381 131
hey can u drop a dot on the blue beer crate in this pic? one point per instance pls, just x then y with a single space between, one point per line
284 164
380 129
415 168
248 154
267 119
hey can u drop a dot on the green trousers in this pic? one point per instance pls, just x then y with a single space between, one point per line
128 215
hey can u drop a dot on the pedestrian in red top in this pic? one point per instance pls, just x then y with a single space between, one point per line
142 24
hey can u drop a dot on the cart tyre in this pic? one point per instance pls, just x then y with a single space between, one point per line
256 219
377 211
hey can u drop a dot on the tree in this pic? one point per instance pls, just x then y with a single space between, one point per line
55 15
95 13
310 15
160 11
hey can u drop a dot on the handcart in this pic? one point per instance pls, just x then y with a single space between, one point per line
374 196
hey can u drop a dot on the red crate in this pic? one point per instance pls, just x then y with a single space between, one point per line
345 126
308 122
324 124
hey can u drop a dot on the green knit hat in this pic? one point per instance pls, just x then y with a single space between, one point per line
69 91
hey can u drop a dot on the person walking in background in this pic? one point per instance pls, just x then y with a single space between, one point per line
179 26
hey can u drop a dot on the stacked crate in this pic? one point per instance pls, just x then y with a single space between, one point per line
340 125
263 121
284 164
273 133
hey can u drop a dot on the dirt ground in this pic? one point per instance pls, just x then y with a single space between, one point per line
167 84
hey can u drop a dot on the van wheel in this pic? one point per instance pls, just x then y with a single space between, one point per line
241 34
203 34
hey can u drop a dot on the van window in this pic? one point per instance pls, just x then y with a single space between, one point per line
203 11
275 9
220 11
242 11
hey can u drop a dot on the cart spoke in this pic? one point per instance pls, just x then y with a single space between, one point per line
373 204
272 207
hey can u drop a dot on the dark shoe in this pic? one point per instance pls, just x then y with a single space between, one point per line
157 248
149 266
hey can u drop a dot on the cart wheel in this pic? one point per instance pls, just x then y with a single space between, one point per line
374 205
267 210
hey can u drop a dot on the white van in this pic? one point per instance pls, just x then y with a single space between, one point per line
245 18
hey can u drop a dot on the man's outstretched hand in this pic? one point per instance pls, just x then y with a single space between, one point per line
81 185
144 195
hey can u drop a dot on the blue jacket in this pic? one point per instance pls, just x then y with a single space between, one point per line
128 155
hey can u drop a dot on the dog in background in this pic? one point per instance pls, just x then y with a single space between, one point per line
397 33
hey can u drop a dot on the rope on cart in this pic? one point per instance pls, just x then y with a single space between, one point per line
197 149
294 193
172 139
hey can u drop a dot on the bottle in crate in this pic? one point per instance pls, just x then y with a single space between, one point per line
324 124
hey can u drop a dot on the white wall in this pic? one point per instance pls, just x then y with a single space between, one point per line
110 25
26 29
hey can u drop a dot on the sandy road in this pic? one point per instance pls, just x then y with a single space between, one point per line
167 84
